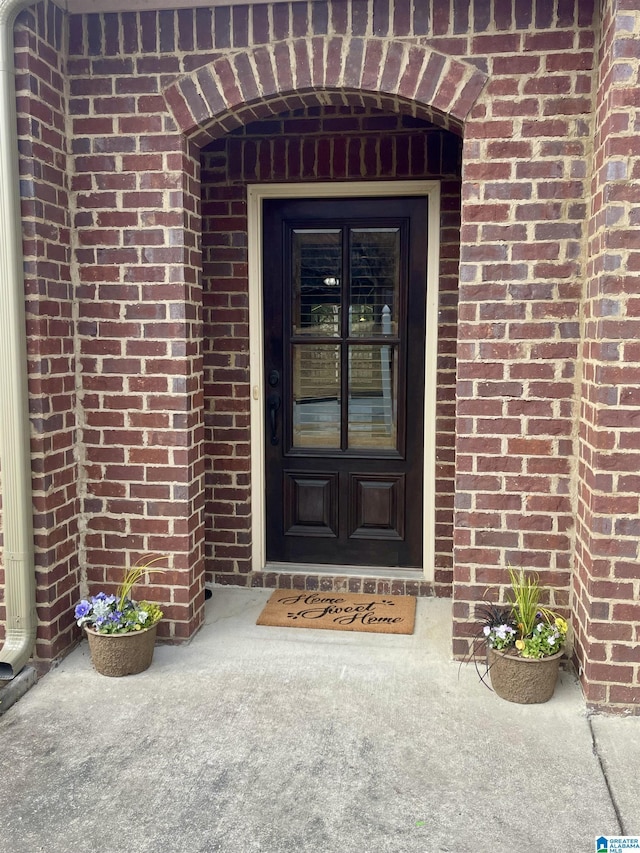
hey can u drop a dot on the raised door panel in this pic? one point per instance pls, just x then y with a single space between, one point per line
310 504
377 506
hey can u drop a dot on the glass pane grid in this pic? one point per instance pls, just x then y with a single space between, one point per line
374 258
372 300
317 411
372 408
317 268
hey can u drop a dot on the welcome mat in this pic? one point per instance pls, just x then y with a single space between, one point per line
341 611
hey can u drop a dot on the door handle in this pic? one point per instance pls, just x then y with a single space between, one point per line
273 404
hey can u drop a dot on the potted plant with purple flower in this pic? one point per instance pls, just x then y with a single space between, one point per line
121 632
524 642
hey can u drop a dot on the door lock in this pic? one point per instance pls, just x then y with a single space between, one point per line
274 378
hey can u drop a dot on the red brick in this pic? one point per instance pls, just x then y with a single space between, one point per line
569 61
609 673
496 44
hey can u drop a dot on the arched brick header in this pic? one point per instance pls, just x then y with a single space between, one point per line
258 82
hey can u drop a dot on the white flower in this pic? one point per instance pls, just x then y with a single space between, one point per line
101 609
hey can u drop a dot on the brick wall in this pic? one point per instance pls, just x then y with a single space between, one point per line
124 156
139 338
523 212
607 577
525 189
148 90
538 97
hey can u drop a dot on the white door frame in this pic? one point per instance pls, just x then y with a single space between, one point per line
256 193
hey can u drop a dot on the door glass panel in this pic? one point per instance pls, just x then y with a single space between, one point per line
316 395
373 397
317 270
374 263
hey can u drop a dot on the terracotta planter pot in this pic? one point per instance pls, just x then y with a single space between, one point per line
122 654
527 681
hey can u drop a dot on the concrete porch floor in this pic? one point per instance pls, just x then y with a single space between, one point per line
281 739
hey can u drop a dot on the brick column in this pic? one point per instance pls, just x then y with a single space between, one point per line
607 577
523 213
140 342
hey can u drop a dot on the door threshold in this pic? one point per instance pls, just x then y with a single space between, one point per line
387 572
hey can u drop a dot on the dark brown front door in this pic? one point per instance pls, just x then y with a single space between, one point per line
344 296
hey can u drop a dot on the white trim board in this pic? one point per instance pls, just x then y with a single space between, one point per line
256 194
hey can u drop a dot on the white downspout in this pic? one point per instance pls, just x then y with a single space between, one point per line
15 450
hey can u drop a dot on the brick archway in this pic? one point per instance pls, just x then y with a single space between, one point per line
254 83
251 84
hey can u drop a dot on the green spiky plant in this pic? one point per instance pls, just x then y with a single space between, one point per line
524 598
133 575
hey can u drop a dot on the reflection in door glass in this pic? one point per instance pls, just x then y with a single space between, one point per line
317 270
316 395
374 259
372 397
